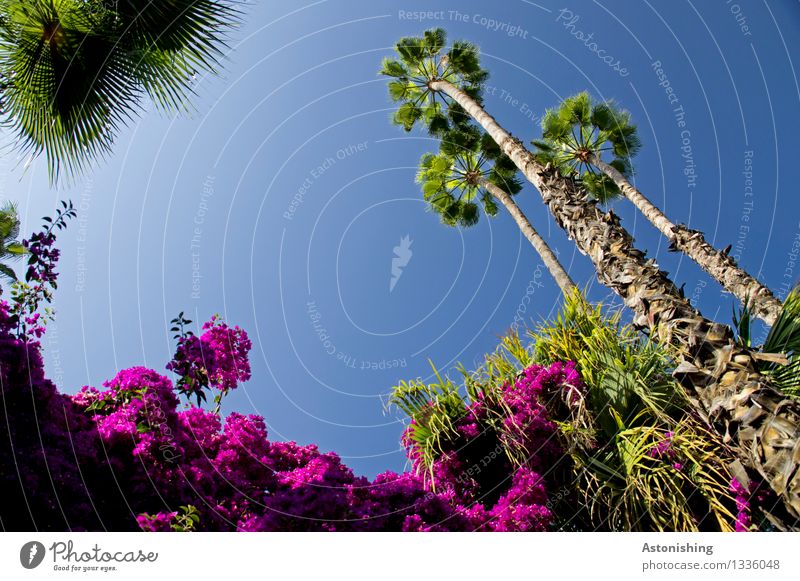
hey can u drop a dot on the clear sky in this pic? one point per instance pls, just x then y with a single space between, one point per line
280 202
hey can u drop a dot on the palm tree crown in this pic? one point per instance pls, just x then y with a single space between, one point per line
454 180
422 61
579 130
72 72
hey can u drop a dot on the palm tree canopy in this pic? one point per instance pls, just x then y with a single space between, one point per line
72 72
422 60
578 130
10 247
453 180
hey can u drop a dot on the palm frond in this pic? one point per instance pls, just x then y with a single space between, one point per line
579 130
784 338
75 71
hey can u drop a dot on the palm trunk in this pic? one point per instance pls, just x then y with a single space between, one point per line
719 265
719 376
545 252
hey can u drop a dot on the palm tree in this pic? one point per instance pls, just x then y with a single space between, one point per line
72 72
719 375
469 169
10 247
575 138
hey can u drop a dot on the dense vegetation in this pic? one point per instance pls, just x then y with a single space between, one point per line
671 422
583 430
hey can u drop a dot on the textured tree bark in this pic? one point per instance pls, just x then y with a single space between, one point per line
719 376
548 256
720 266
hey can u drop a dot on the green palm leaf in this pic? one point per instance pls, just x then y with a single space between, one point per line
74 71
577 131
10 247
421 60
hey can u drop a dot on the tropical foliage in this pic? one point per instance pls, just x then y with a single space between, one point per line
11 249
720 376
778 356
72 72
644 460
420 61
588 415
454 180
578 131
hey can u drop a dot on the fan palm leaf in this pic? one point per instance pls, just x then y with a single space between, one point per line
75 71
422 60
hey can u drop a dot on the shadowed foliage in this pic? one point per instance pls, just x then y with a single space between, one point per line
73 72
10 248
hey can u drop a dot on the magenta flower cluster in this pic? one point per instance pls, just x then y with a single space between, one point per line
216 359
743 494
158 523
493 491
43 257
663 450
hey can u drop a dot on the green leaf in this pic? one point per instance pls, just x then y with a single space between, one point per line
407 115
464 59
8 272
412 51
393 68
431 188
398 90
435 40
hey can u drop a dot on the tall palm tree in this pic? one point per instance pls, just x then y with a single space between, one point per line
719 375
10 247
72 72
579 134
469 169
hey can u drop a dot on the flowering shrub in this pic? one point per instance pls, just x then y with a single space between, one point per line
40 278
488 454
217 359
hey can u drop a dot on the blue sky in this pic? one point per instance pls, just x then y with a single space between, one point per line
280 201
